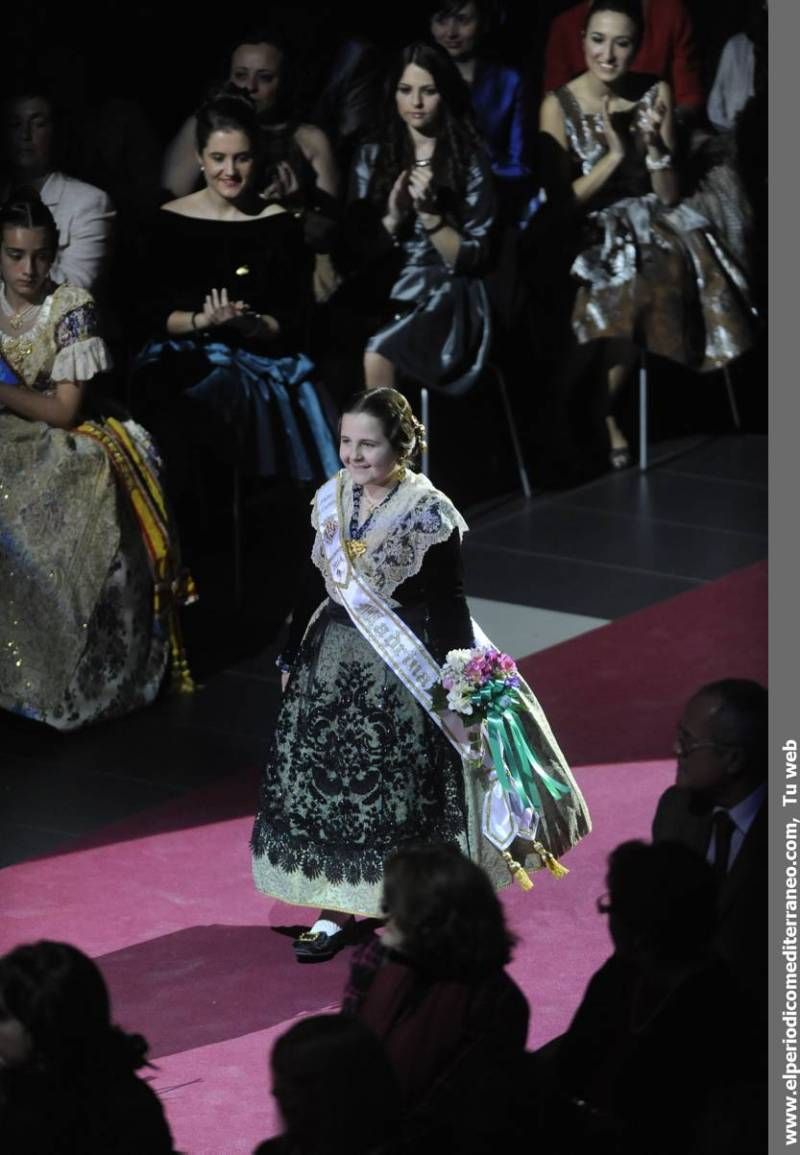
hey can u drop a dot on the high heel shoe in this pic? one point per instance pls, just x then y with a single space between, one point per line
620 458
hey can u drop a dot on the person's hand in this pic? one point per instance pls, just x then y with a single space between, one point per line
218 310
284 183
399 204
284 680
649 122
616 145
422 191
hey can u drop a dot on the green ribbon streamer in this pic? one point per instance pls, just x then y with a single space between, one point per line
514 761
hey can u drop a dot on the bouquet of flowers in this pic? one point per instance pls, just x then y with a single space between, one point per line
474 681
483 687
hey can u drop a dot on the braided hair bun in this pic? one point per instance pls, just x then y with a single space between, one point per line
402 429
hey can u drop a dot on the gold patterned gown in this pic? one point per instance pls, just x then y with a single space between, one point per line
669 279
78 638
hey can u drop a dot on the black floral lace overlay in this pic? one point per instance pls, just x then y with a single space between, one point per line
356 767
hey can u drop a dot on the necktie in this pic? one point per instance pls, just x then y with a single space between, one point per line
724 827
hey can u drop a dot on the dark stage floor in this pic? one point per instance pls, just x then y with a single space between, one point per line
600 551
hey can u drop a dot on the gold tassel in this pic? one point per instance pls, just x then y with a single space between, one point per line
550 861
182 680
518 872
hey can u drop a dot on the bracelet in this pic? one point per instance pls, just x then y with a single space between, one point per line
657 163
283 665
441 225
194 326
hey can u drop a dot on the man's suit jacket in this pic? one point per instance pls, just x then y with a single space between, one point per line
84 216
742 908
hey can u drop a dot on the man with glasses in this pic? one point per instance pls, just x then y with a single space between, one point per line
718 807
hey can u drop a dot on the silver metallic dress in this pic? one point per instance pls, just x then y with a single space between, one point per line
669 279
441 331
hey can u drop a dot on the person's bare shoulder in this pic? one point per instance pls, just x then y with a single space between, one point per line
311 139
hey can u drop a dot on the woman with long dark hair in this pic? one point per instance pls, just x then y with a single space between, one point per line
427 201
68 1079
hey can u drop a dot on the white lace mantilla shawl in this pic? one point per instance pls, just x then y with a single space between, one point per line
416 517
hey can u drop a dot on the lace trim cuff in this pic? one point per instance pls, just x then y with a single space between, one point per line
81 361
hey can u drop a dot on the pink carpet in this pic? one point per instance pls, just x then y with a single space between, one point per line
201 964
615 694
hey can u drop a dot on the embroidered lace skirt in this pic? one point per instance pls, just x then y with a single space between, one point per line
76 595
355 768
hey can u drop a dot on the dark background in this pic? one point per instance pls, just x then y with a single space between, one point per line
165 56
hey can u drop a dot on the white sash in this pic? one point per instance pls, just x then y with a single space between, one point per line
504 818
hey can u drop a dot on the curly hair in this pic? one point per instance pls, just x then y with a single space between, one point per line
60 997
457 139
451 922
402 430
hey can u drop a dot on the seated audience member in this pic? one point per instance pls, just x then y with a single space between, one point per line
421 227
335 1089
666 50
68 1082
718 807
226 372
83 214
640 1068
347 107
434 990
734 83
87 630
498 98
649 271
296 163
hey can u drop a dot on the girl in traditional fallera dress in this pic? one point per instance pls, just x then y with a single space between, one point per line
358 764
89 575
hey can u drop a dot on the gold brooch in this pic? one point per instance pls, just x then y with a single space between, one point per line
355 549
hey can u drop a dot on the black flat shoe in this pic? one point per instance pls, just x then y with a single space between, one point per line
318 946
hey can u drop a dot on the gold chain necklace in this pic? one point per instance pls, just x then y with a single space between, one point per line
16 318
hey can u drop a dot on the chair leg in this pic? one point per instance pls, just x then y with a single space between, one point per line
238 568
643 446
425 418
737 421
524 481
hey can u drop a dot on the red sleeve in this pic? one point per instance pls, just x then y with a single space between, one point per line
687 87
563 55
